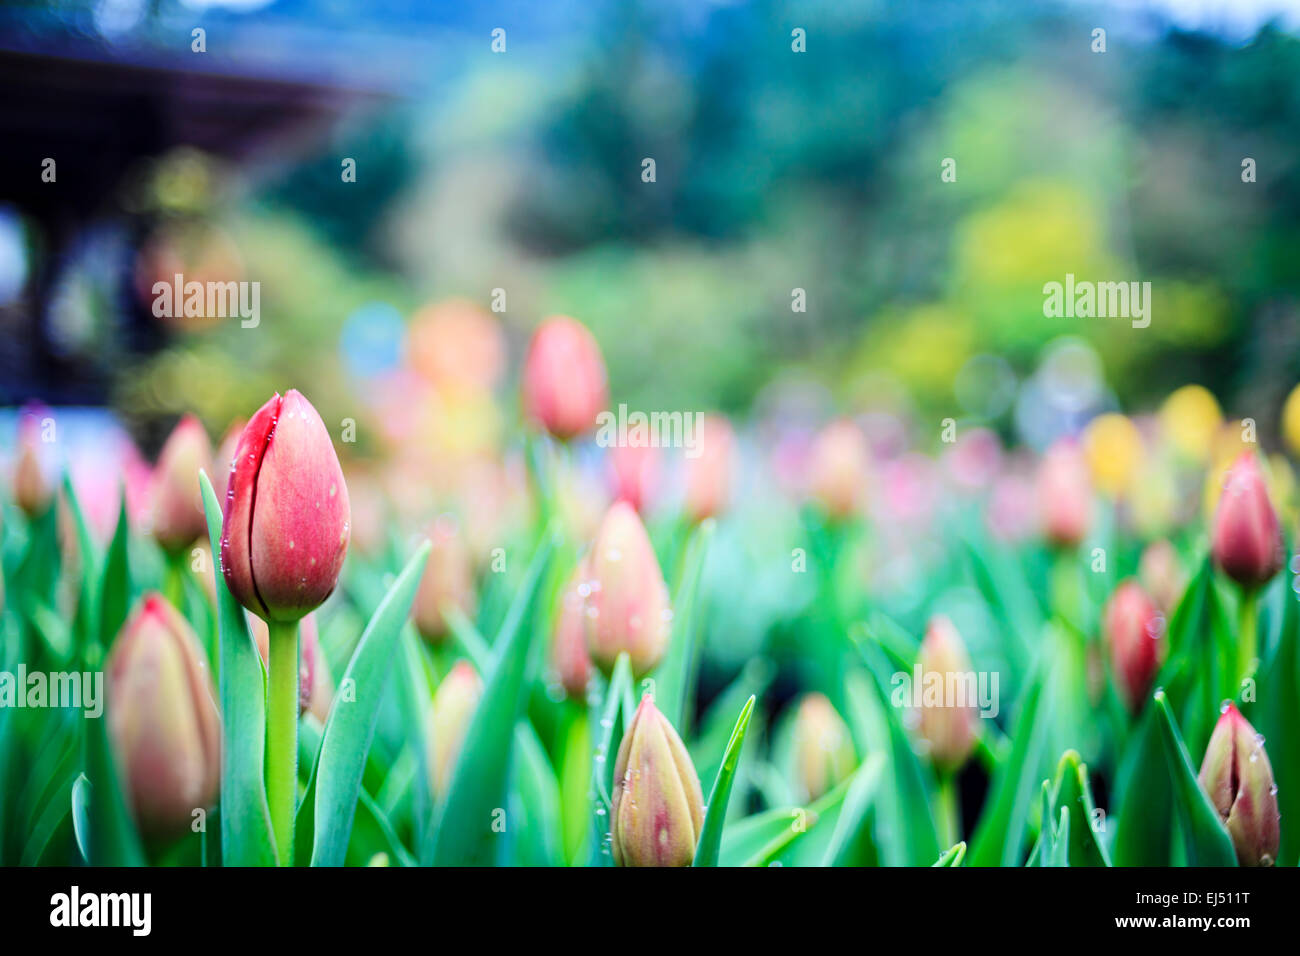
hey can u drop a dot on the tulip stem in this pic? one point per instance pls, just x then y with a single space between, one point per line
174 581
948 819
282 734
1247 634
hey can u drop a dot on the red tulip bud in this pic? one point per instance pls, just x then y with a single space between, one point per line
1162 574
448 581
1064 494
1135 628
161 718
1238 778
948 725
177 505
1247 541
569 644
627 603
315 688
454 704
564 384
823 748
33 492
837 469
657 807
287 517
708 476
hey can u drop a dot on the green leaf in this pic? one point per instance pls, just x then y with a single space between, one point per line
87 619
757 840
81 815
1071 790
115 593
350 726
854 816
1205 839
50 821
112 839
673 676
464 835
706 851
953 856
246 838
535 832
1142 808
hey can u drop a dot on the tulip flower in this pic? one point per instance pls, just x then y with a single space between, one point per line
454 704
448 581
564 380
1238 779
657 809
627 604
283 542
1113 448
1162 574
1135 630
162 720
32 490
1247 538
837 470
1064 494
177 504
823 749
708 476
315 688
287 518
569 654
949 726
1191 417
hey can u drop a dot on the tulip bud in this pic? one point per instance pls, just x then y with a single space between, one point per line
569 644
627 603
1238 779
448 581
1247 541
32 489
823 749
837 469
315 688
1064 494
224 463
177 506
657 807
1134 628
1162 574
949 725
564 383
287 518
708 475
162 720
454 704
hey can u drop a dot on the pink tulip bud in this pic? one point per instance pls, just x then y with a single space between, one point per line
224 463
1238 779
627 603
177 502
448 581
823 748
1135 629
454 704
287 517
657 806
837 469
1162 574
1065 494
315 688
162 720
33 492
569 654
634 474
564 382
1247 541
948 725
708 476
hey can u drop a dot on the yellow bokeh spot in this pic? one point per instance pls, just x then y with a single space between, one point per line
1113 448
1190 417
1291 420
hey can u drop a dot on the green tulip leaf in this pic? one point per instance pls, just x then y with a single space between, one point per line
1072 791
853 820
246 838
1205 839
80 799
706 851
953 856
673 676
115 591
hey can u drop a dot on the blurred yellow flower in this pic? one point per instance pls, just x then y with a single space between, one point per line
1190 417
1154 497
1113 448
1291 420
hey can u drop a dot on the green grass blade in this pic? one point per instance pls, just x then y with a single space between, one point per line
350 727
246 838
706 851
